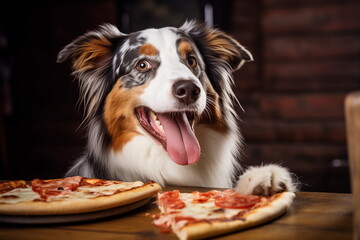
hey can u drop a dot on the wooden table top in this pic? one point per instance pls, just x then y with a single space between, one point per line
312 216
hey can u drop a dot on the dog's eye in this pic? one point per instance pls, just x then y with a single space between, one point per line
143 66
192 61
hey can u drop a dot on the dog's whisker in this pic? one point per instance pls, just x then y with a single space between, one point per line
208 112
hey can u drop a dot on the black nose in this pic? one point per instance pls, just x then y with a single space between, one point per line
186 91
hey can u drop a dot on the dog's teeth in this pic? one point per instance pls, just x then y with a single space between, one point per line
161 129
157 121
159 126
153 115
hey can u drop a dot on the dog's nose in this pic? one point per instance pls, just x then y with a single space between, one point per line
186 91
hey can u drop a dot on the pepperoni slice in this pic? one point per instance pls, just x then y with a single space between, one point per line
175 203
8 186
95 182
237 201
170 194
202 197
55 187
171 199
184 218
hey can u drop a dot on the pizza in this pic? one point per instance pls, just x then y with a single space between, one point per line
70 195
205 214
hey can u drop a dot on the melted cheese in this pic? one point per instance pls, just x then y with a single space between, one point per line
205 210
19 195
96 191
197 210
88 191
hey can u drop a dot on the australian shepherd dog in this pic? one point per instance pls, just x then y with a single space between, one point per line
160 106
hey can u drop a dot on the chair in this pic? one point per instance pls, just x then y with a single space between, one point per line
352 117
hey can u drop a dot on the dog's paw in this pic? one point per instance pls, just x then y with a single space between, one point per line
265 180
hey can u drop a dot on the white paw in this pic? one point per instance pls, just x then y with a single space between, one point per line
265 180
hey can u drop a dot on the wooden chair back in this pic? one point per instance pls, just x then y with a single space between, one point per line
352 117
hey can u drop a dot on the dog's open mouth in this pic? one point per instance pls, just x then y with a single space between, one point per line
174 131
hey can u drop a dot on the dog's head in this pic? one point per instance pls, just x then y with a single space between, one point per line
157 82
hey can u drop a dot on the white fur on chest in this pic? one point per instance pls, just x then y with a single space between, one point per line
143 159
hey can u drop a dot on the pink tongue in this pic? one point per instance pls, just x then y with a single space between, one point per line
181 144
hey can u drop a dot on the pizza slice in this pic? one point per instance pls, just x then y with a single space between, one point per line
205 214
70 195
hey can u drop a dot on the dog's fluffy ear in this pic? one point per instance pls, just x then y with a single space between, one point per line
90 56
92 50
216 44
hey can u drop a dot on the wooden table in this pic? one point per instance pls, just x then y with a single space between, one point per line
312 216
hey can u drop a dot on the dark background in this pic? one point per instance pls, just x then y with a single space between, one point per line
307 58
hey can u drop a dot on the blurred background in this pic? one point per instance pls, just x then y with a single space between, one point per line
307 58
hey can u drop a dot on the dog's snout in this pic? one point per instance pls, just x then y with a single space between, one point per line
186 91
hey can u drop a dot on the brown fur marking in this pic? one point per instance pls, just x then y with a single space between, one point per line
119 114
92 54
222 44
184 48
148 49
212 115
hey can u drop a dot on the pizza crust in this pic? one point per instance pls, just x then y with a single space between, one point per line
256 217
71 206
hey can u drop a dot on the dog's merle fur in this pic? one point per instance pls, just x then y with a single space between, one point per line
105 56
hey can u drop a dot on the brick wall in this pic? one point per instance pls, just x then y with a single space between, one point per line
306 60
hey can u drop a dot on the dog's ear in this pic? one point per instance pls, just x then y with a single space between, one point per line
214 43
92 50
90 56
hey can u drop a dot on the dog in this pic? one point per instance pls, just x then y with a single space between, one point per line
160 106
